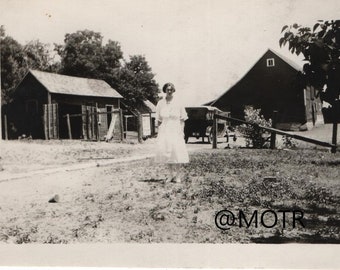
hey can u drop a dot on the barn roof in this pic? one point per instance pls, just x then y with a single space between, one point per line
69 85
291 63
287 60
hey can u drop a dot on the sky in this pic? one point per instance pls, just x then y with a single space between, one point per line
202 46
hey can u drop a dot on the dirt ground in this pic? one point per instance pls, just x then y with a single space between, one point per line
123 202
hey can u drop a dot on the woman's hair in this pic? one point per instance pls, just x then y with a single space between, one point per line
167 85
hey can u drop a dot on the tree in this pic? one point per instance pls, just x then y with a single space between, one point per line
12 62
136 81
2 31
320 47
38 56
83 55
16 60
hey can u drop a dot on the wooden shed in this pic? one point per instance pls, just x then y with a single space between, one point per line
42 102
273 84
148 111
140 118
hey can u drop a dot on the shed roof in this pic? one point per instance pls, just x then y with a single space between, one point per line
145 107
150 105
69 85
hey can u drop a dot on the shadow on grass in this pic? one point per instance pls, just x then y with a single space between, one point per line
326 162
152 180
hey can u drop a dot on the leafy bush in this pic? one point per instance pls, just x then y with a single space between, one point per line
289 142
255 136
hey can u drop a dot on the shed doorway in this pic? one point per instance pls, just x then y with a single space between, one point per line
75 121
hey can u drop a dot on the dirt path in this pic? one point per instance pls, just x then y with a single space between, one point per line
35 158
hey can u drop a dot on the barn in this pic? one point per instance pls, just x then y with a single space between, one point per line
273 84
53 106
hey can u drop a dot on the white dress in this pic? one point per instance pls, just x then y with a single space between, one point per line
171 146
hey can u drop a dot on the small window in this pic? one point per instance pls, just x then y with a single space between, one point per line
270 62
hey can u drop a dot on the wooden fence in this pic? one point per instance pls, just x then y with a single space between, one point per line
91 124
51 123
274 131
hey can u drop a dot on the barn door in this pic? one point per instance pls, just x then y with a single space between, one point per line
51 123
89 122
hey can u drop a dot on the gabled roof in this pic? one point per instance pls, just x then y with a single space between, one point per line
69 85
283 58
146 107
150 105
209 103
287 60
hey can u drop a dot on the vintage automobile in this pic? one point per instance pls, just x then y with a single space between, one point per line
200 122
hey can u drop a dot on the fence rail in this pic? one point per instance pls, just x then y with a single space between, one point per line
90 114
273 131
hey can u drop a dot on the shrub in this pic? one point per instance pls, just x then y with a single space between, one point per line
289 142
255 136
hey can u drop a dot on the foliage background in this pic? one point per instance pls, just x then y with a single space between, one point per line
83 54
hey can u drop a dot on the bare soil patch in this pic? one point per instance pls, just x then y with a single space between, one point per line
30 155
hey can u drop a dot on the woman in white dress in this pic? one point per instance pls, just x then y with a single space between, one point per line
171 148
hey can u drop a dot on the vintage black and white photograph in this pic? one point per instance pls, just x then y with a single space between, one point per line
170 122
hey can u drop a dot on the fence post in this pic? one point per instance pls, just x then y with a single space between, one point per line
55 121
69 126
125 125
151 128
273 134
88 124
121 124
96 118
214 131
334 137
46 122
140 128
6 127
